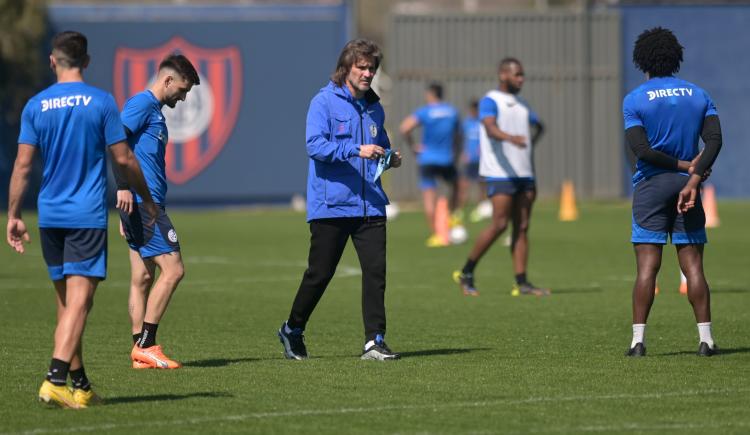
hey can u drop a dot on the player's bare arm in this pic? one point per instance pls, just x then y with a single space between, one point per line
128 165
493 131
16 232
406 128
537 132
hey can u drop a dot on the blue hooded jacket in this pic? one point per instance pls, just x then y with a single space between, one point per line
339 182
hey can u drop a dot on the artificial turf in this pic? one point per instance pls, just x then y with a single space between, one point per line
491 364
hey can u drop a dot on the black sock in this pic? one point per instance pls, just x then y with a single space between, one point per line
469 267
148 336
58 372
79 379
521 278
136 337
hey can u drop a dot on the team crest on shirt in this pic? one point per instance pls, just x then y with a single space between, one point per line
200 126
373 130
172 235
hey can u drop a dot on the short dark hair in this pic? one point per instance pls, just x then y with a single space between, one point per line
436 89
70 49
353 51
506 62
182 66
657 52
474 104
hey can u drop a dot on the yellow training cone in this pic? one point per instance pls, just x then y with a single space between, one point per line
568 209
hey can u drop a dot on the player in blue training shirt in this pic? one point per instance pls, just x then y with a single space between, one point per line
664 119
71 124
470 160
152 244
436 153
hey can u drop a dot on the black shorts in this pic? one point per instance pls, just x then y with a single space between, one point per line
471 171
74 251
429 174
655 212
149 240
510 187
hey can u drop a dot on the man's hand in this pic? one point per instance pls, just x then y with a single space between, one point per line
125 201
16 234
686 197
396 159
372 152
519 141
122 230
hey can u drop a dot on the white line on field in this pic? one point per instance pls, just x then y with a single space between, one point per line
433 407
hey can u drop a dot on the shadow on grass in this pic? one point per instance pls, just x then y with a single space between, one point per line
218 362
571 290
435 352
729 290
163 397
722 351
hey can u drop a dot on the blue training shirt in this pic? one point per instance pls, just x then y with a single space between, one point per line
471 139
671 111
72 123
142 116
439 122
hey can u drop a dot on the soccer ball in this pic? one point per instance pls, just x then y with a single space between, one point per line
391 211
458 235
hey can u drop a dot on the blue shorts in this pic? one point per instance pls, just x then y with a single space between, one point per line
74 251
655 212
510 187
149 240
471 171
429 174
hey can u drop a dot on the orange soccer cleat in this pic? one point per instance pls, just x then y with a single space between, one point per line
140 365
153 357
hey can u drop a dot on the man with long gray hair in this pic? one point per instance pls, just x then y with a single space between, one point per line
348 149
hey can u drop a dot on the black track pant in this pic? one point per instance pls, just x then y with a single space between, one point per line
327 242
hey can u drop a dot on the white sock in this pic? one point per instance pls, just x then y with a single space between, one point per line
639 330
704 331
369 344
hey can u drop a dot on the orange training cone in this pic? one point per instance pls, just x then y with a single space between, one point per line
709 206
683 284
442 220
568 209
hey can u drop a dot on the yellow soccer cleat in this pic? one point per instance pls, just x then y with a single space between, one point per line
435 241
529 289
84 399
154 357
58 395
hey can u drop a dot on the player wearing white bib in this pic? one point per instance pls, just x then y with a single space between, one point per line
509 128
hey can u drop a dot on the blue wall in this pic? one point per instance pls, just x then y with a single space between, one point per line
716 40
286 55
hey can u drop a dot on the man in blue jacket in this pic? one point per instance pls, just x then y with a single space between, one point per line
348 149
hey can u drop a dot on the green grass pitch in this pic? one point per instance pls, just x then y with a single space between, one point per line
492 364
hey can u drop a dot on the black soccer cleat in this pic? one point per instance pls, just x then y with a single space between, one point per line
705 350
638 350
379 351
466 282
293 342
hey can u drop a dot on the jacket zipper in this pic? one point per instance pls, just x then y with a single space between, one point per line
364 173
